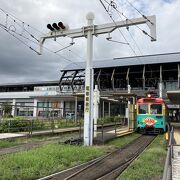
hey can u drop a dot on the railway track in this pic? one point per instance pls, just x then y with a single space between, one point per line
109 166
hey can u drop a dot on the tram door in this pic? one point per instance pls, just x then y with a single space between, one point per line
132 116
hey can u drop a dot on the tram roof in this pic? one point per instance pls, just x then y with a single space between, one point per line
150 100
128 61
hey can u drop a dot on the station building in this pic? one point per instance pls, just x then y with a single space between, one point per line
119 80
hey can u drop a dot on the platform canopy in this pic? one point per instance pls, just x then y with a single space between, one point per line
174 96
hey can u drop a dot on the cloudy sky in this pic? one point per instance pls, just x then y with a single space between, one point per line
18 63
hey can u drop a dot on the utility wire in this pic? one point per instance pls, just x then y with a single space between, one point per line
19 40
133 38
7 13
145 17
143 31
11 33
23 23
136 44
35 29
130 34
118 28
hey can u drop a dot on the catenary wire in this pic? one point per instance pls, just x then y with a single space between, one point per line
136 44
4 28
118 28
9 16
142 30
145 17
133 38
11 33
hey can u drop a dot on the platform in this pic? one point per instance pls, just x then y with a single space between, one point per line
176 163
176 152
176 133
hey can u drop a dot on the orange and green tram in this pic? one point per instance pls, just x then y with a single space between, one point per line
152 115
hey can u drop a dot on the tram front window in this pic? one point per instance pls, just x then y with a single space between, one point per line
156 109
143 108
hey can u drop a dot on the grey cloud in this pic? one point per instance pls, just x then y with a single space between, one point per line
19 64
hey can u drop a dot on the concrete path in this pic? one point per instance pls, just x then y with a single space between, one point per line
10 135
176 153
176 163
177 135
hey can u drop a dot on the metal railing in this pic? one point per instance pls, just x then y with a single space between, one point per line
109 130
33 125
167 174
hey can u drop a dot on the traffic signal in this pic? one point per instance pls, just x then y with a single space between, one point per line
50 27
57 26
61 25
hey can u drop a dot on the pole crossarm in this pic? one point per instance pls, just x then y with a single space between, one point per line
102 29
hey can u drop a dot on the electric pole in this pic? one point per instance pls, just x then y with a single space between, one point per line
88 32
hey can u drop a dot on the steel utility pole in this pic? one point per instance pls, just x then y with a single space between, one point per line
88 32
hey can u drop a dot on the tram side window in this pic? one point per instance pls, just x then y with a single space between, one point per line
156 109
143 108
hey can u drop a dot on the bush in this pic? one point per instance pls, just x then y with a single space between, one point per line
20 125
112 119
105 120
13 125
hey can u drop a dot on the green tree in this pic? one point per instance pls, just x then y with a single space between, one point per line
7 109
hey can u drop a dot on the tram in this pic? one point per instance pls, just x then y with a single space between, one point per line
152 115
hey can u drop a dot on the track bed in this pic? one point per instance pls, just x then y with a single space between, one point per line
109 166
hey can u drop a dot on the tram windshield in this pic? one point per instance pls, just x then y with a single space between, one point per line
156 108
143 108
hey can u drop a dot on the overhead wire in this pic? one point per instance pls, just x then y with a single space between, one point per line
23 23
144 16
136 44
10 14
14 18
142 30
37 30
19 39
130 34
118 28
73 52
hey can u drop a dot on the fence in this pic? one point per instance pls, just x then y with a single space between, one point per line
167 174
32 125
46 126
109 129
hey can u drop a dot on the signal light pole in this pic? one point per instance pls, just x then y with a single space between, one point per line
89 31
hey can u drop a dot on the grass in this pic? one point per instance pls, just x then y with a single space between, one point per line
121 141
150 164
8 143
51 158
45 160
17 141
